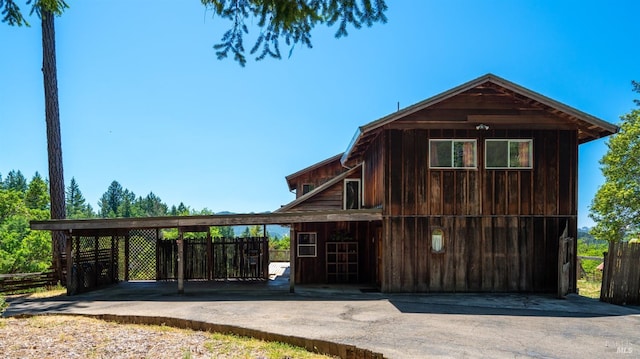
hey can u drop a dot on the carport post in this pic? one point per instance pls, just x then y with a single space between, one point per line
68 249
292 260
180 262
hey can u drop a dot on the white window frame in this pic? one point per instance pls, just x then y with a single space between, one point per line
509 141
344 195
313 245
453 141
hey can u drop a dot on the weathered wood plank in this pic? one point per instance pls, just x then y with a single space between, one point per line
114 225
460 255
396 254
409 254
513 255
500 280
500 192
567 159
435 185
525 190
487 254
451 248
423 258
408 173
513 193
394 173
474 253
539 174
448 192
551 166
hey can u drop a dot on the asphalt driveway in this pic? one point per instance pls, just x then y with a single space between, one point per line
396 325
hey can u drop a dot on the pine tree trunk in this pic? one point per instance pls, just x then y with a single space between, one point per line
54 142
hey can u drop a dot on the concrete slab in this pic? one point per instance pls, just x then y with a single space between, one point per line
397 325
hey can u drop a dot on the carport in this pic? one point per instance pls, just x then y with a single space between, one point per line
103 251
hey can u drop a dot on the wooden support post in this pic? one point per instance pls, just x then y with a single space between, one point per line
292 259
265 253
96 251
158 253
112 260
180 260
126 256
69 254
209 256
79 270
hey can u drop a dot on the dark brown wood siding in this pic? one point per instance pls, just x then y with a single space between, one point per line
331 198
501 227
313 270
374 174
318 176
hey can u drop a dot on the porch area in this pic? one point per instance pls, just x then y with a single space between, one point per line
100 252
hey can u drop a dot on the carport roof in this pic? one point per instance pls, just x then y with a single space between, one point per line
114 226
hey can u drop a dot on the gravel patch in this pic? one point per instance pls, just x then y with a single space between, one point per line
80 337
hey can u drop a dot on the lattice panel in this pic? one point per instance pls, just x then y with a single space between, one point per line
94 262
142 254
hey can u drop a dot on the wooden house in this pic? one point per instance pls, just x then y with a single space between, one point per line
475 187
472 190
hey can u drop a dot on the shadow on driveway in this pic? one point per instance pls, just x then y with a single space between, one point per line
499 304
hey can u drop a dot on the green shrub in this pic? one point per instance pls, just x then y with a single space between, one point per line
3 304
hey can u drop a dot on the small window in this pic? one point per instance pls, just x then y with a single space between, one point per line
306 188
503 154
352 194
307 244
437 241
452 154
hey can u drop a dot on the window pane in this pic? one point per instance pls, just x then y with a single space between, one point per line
353 194
306 188
306 251
464 154
441 154
520 154
306 238
496 154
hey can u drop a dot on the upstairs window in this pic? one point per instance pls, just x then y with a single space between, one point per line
306 188
453 154
505 154
352 194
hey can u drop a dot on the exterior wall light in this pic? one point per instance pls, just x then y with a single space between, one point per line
437 241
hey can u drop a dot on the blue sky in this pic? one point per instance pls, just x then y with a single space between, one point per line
144 101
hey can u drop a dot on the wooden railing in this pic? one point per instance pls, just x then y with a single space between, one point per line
10 283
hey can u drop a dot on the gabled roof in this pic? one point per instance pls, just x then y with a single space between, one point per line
320 164
316 191
589 127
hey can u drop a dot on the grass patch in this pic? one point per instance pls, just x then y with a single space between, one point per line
226 344
3 304
589 288
48 292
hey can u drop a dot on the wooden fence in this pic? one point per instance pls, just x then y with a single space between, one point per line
222 258
279 255
621 275
10 283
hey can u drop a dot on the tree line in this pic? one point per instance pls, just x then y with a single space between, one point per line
22 200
